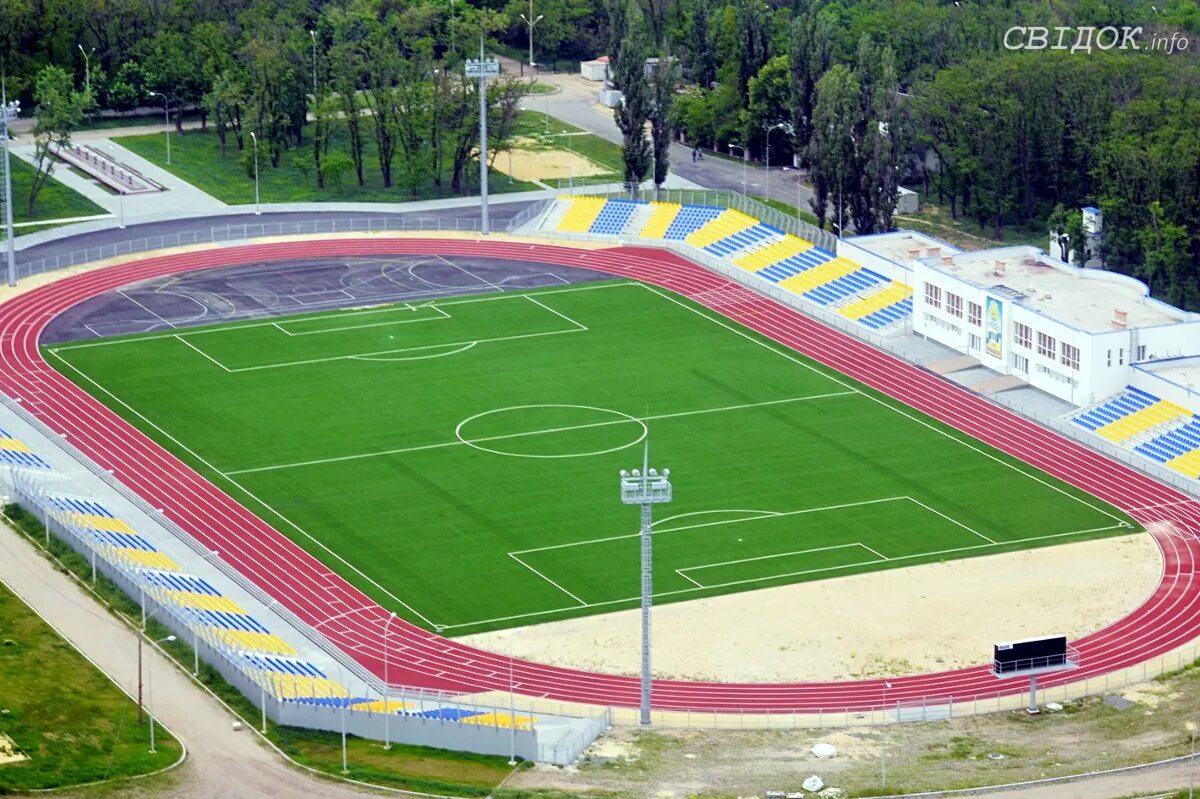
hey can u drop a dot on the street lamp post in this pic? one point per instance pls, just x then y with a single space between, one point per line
387 685
743 149
166 121
512 713
8 112
767 189
1191 728
87 66
149 673
254 138
646 488
531 21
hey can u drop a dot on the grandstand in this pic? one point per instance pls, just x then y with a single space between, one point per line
17 454
1158 429
877 301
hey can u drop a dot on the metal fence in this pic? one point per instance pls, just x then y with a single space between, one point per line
238 232
567 739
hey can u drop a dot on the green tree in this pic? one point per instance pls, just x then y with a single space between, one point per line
809 58
661 128
833 150
629 78
59 112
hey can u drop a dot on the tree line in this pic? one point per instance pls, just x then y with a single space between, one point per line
866 94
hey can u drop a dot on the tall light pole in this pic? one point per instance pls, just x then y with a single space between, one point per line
646 488
166 121
141 635
743 149
883 748
87 66
313 34
512 712
8 112
387 685
767 189
483 69
254 138
1191 728
531 21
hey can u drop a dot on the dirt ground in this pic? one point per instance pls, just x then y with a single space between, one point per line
881 624
546 165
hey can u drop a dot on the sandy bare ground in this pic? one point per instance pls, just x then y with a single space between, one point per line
546 165
882 624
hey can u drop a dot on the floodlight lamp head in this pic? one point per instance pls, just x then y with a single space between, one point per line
169 638
624 473
637 473
653 473
666 472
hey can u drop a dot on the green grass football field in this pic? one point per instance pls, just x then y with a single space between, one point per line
458 459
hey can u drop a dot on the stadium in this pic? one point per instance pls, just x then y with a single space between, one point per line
443 482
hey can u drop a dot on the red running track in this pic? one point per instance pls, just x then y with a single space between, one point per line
1167 619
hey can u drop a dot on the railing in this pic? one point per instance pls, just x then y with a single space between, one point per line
413 222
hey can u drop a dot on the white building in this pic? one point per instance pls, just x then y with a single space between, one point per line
1073 333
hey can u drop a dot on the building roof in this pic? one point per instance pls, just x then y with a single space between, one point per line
1184 371
1089 299
905 247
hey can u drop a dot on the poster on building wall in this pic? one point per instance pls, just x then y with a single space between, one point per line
995 328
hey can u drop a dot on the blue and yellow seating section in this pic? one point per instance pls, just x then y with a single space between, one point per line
1129 414
109 533
14 452
581 214
819 276
614 216
1136 415
885 305
1178 448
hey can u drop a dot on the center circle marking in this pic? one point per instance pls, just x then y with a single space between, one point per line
482 444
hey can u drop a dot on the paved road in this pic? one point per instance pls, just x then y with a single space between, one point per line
221 764
576 104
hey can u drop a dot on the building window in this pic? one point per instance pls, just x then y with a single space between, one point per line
1110 357
1046 345
954 305
1121 357
975 314
933 295
1070 356
1020 363
975 342
1141 352
1024 336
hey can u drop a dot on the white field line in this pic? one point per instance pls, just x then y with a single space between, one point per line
192 347
220 328
776 555
556 313
547 579
900 410
166 322
441 315
676 592
717 523
239 486
422 348
385 359
546 431
952 520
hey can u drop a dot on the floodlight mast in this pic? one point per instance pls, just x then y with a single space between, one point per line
646 487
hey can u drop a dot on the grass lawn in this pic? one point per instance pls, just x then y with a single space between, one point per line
55 201
790 210
75 725
966 233
413 768
479 438
196 158
548 134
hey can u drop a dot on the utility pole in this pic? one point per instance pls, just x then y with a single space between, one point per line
646 488
8 112
313 34
531 21
483 69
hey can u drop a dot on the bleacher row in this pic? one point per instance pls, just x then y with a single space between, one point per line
1155 428
780 258
271 660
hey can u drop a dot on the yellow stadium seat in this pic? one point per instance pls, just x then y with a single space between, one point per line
662 217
